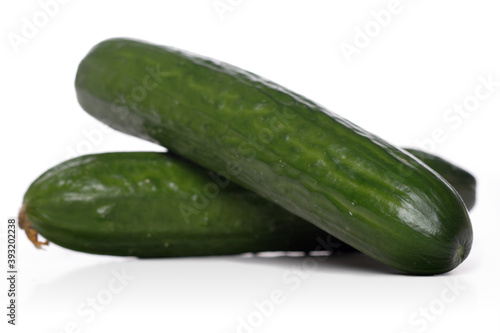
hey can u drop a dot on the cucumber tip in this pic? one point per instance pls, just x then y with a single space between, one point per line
25 224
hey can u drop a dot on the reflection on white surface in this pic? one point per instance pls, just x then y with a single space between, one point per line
235 294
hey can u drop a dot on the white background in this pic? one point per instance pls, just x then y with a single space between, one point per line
428 57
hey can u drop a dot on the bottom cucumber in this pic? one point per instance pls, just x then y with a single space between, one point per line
149 204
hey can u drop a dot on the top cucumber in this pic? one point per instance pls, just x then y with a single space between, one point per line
354 185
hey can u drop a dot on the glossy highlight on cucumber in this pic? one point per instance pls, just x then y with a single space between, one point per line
460 179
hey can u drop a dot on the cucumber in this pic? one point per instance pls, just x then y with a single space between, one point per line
352 184
132 204
148 204
460 179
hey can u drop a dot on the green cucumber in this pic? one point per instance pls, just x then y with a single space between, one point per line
149 204
134 203
354 185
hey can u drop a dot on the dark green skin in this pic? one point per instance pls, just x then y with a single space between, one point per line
63 206
354 185
143 204
460 179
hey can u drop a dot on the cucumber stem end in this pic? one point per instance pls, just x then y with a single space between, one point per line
25 224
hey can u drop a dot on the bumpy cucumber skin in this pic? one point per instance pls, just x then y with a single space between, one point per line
352 184
460 179
150 204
